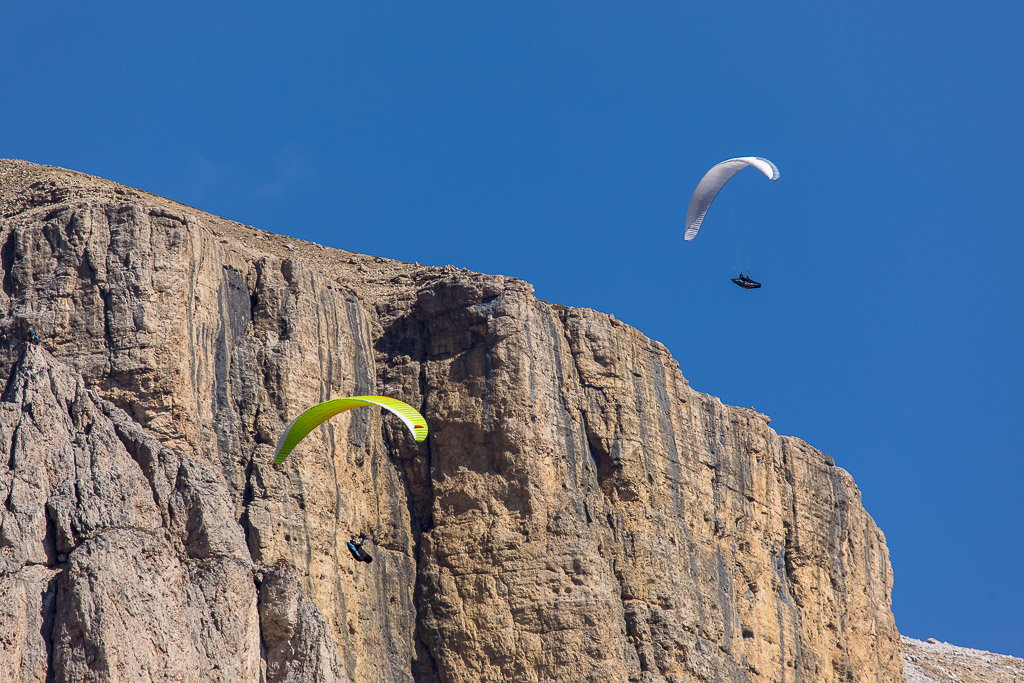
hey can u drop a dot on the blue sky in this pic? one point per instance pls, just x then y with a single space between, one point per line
559 142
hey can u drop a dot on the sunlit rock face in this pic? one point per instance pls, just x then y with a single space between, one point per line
578 512
933 661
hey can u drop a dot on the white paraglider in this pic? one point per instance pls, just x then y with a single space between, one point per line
712 183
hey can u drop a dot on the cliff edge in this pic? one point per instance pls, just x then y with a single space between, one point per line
578 513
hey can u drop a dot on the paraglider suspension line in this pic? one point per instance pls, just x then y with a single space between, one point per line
735 237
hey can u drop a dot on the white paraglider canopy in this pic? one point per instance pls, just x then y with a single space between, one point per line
712 183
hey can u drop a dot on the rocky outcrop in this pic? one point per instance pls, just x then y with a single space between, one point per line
119 560
578 512
933 661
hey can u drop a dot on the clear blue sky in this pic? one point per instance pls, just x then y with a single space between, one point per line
559 142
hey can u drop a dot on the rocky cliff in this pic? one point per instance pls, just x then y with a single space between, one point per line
933 661
578 513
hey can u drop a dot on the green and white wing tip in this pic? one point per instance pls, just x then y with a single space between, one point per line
405 412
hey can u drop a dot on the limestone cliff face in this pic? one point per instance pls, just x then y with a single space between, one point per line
578 513
933 661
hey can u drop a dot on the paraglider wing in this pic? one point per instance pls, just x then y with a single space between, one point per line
713 181
315 416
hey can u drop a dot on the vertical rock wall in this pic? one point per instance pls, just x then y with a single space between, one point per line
578 512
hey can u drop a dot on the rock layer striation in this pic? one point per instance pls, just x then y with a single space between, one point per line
578 513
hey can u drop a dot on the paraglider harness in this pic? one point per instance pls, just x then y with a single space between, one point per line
746 283
356 548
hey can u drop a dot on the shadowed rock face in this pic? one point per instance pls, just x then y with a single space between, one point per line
578 513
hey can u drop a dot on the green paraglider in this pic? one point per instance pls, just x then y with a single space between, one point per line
321 412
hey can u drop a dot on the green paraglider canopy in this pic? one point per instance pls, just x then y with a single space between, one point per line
321 412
